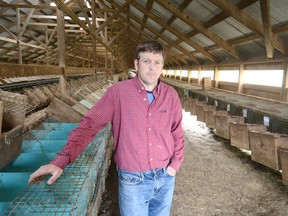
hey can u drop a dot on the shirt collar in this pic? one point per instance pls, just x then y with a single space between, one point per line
140 87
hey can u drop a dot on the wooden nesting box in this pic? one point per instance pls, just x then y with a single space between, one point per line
200 111
283 157
185 103
209 116
207 83
193 106
264 147
239 134
222 124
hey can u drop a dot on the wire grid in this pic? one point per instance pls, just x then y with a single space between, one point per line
73 192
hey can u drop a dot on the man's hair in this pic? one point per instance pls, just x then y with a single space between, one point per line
150 46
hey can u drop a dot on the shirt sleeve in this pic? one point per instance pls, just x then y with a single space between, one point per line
178 136
79 138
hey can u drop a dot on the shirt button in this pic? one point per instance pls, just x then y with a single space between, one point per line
150 144
149 129
149 114
139 90
151 159
144 99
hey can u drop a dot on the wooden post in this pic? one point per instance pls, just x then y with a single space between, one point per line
199 75
216 76
18 20
283 92
61 38
241 77
189 75
62 82
61 50
1 115
181 74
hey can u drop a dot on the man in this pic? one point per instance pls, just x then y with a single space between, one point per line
146 118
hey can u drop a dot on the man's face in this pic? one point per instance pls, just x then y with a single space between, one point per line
149 67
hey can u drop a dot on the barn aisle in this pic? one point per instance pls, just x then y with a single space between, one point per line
218 179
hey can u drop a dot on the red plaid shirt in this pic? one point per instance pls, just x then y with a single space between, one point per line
145 136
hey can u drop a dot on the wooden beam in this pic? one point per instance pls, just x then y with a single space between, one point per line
173 17
26 21
175 32
265 13
248 21
154 32
201 28
115 15
171 53
75 18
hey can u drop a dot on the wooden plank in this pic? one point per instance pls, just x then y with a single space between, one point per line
80 108
63 112
283 156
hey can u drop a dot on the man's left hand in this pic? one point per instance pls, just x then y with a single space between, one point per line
171 171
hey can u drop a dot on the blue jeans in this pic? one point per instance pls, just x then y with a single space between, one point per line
145 193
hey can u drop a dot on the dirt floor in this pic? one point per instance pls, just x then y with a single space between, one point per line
215 179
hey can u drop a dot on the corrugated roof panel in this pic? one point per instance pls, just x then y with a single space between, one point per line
229 29
187 47
202 10
164 43
252 48
124 15
176 51
254 11
279 9
181 26
202 40
171 36
158 10
153 24
177 3
151 34
135 23
134 11
120 2
109 5
142 2
221 54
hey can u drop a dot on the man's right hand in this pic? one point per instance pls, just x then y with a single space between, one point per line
45 170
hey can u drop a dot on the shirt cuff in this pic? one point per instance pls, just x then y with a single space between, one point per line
61 161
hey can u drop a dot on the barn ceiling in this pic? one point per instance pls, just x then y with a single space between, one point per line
193 32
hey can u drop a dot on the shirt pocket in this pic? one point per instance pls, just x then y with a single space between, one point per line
163 120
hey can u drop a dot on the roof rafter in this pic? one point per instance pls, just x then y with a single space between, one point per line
201 28
248 21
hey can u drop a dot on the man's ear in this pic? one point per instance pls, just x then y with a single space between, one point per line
136 64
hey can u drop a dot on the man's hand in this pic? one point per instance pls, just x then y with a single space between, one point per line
171 171
44 170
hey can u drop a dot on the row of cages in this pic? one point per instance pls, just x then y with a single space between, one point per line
263 137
